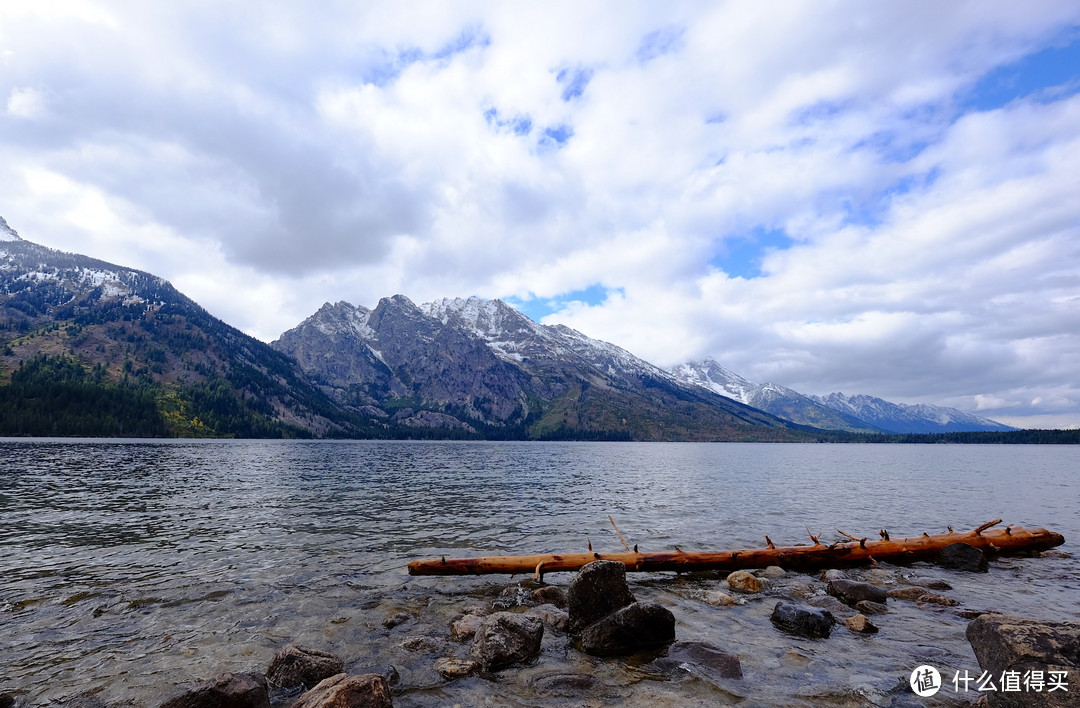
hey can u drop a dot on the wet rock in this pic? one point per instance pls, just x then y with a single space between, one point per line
707 656
550 595
398 618
634 627
860 623
961 556
450 668
1004 642
513 596
564 685
7 700
597 590
932 599
344 691
387 671
802 621
773 572
869 607
827 602
722 599
506 638
226 690
295 665
834 574
465 628
743 581
852 591
802 591
422 644
930 583
551 616
912 593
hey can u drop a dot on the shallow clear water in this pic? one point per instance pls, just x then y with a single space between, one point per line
130 569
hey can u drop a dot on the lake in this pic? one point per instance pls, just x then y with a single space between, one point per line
131 569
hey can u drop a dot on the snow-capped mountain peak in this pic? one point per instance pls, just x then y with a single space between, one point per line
7 233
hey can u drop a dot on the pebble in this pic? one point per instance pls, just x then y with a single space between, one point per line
860 623
450 668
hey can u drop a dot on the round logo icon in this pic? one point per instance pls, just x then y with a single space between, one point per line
925 681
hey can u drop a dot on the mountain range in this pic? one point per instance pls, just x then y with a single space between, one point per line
92 348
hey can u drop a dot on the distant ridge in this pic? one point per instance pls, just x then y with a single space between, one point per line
836 411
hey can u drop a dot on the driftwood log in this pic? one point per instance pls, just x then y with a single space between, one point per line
1011 539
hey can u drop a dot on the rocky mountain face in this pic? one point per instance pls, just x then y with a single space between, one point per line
909 418
859 414
482 366
137 340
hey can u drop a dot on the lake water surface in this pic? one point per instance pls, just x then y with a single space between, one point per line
129 569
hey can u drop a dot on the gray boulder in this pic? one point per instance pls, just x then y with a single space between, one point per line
344 691
295 665
852 591
506 638
226 690
802 621
598 590
637 626
1006 643
961 556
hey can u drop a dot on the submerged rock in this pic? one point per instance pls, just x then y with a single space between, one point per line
722 599
912 593
869 607
704 655
423 644
550 595
551 616
637 626
802 621
961 556
295 665
930 598
396 619
7 700
226 690
344 691
744 581
1006 643
465 628
451 668
852 591
564 685
506 638
597 590
860 623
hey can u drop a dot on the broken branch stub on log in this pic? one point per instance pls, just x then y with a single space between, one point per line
1013 539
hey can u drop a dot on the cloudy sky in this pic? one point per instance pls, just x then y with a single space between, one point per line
878 198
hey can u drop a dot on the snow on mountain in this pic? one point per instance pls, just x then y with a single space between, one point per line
6 232
709 374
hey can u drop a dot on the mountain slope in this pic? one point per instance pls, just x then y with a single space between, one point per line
836 411
909 418
775 399
138 333
483 366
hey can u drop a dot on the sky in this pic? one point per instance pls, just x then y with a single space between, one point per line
873 198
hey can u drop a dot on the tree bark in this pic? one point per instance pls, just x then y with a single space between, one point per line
1012 539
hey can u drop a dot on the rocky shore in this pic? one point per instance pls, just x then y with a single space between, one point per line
598 615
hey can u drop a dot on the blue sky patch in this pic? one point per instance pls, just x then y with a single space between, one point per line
538 308
741 256
660 42
386 66
1053 67
574 81
556 136
519 124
